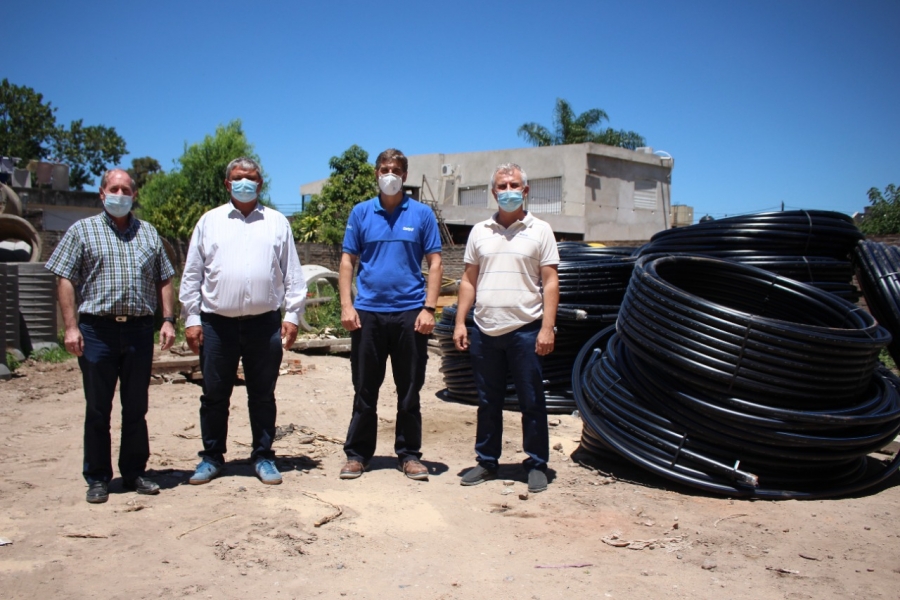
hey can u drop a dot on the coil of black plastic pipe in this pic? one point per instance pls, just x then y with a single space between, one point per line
714 380
809 246
878 272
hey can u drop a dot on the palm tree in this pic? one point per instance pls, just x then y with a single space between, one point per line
572 129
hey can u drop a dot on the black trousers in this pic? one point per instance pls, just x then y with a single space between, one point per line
257 342
382 335
115 353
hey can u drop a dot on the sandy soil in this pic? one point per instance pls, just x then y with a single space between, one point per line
394 537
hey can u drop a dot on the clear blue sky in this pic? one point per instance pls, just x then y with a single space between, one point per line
758 102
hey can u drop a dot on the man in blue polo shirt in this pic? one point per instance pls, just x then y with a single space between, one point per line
387 236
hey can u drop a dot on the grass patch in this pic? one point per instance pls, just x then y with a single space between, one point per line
11 362
887 360
51 355
323 309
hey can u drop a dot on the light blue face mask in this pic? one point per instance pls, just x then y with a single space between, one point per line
117 205
244 190
510 201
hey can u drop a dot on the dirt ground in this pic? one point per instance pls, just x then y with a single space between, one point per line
391 537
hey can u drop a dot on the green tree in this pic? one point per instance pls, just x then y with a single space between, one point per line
570 128
87 150
176 200
325 215
26 122
28 130
884 215
142 169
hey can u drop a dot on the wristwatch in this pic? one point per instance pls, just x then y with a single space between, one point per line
169 320
429 309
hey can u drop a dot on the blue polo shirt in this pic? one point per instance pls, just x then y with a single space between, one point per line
390 248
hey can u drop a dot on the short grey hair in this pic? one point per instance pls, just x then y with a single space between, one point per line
244 162
509 168
105 179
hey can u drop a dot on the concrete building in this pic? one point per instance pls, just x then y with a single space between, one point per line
587 191
681 215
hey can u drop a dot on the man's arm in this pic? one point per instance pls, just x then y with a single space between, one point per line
65 293
349 316
547 335
465 300
191 280
425 320
294 289
166 291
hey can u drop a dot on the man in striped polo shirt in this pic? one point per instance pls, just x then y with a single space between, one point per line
511 278
118 265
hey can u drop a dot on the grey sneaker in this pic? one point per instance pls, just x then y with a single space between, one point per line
267 471
205 472
477 475
537 481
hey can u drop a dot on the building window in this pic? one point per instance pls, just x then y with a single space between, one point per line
474 196
645 194
545 195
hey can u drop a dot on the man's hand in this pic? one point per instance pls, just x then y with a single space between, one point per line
425 322
166 336
74 342
350 318
545 340
194 337
461 337
288 334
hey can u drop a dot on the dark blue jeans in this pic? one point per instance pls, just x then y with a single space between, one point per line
257 342
115 353
381 335
492 358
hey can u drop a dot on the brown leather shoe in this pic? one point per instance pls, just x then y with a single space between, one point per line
352 469
415 470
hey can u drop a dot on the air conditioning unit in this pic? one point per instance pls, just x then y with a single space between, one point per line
447 170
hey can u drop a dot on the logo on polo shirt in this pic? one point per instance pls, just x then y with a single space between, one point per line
409 229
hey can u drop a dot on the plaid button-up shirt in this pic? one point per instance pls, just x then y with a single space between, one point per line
115 272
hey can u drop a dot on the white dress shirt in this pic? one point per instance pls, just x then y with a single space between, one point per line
239 267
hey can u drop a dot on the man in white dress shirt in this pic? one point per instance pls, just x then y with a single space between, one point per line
241 268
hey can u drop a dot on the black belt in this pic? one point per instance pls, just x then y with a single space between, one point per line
116 318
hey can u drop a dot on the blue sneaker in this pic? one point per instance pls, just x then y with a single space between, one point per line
205 472
267 471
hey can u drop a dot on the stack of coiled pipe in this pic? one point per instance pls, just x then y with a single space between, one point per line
592 284
812 246
878 272
741 382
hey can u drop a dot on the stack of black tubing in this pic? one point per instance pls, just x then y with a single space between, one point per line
740 382
592 284
878 273
811 246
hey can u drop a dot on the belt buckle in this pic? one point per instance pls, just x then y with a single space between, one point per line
121 319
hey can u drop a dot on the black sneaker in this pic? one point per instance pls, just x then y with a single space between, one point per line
98 492
537 481
478 475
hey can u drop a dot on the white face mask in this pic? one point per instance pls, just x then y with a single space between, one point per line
390 184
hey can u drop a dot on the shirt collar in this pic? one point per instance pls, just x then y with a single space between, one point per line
132 222
380 208
526 221
234 209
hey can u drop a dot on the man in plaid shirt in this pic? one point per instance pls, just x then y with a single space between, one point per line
119 268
